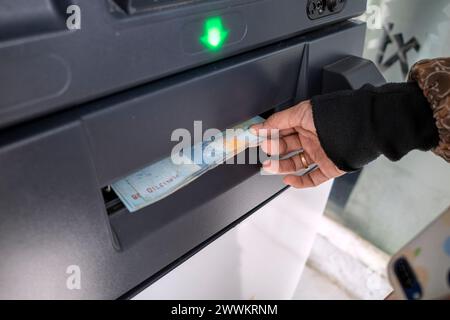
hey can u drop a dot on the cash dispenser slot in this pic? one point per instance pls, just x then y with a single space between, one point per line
114 204
220 95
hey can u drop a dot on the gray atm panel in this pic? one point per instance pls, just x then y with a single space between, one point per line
45 67
52 211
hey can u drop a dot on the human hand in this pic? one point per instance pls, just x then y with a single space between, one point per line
296 131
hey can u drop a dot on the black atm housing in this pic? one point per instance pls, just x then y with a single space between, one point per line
81 109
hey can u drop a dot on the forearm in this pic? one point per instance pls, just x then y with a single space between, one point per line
356 127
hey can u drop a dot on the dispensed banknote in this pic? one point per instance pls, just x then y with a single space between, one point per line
163 178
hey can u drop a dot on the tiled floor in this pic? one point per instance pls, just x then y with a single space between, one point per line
343 266
315 286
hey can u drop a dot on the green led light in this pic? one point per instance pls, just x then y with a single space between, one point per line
214 34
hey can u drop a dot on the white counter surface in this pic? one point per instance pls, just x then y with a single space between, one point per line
262 258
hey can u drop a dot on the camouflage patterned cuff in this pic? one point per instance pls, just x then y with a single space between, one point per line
433 77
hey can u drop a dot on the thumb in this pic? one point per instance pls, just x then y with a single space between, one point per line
283 120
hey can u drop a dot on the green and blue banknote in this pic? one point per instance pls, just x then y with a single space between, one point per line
165 177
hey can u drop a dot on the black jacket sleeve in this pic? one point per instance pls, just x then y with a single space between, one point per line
356 127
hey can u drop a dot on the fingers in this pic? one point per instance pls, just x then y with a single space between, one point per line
287 166
287 132
283 120
282 146
290 167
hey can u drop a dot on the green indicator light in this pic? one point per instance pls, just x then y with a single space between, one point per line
214 34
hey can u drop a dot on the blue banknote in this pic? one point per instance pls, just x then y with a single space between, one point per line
161 179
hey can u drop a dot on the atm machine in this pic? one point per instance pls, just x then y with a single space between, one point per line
83 107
